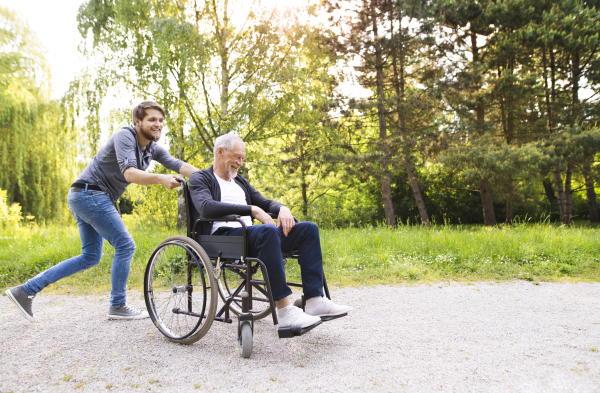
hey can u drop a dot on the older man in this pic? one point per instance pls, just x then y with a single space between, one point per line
219 191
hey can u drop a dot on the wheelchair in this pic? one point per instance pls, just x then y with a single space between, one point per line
186 275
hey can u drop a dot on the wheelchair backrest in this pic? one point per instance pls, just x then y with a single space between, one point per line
231 247
191 214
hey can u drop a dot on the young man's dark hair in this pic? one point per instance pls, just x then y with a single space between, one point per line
139 112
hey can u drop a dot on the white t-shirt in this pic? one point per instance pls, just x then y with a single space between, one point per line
231 192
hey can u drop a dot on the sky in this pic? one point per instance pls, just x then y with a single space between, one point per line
55 25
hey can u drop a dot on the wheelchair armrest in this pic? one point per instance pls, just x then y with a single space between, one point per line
274 216
231 217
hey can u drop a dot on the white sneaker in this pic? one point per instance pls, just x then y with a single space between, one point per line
291 316
320 306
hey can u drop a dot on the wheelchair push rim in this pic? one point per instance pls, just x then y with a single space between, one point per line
180 290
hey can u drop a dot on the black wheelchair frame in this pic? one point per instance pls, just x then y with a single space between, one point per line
184 274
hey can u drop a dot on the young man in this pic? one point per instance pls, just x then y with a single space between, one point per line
123 160
219 191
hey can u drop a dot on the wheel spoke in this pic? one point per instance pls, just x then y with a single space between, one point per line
175 286
233 280
169 278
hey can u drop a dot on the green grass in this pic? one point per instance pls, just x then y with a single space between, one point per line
25 252
533 252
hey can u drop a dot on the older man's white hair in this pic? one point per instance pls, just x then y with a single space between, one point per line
226 142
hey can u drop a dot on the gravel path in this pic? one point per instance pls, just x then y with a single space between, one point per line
492 337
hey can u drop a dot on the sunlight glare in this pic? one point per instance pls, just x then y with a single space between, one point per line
283 4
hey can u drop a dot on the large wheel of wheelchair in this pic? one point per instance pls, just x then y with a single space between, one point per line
180 290
233 281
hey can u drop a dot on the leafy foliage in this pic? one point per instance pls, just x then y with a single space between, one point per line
467 107
37 145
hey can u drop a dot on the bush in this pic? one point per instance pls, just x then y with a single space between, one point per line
9 215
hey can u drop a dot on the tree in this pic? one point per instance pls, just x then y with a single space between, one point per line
214 71
467 21
302 158
413 113
37 145
573 27
389 40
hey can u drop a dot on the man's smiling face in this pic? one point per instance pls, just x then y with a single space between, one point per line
230 161
152 125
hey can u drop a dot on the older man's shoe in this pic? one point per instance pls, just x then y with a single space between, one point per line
320 306
291 316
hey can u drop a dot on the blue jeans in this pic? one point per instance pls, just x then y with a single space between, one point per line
266 242
97 220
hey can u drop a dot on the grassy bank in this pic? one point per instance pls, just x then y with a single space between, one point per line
26 252
534 252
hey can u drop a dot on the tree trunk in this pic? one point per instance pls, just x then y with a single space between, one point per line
575 86
568 218
549 190
591 194
224 69
557 175
509 201
489 218
568 196
549 125
561 193
509 210
414 184
550 97
180 144
479 109
399 86
304 190
386 188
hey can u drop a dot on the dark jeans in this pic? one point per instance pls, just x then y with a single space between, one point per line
266 242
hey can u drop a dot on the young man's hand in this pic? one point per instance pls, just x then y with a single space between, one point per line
169 181
134 175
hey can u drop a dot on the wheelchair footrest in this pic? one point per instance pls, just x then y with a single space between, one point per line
290 332
330 317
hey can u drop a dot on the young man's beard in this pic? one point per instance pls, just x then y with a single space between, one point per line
148 134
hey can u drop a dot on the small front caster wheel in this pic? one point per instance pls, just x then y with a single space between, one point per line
245 339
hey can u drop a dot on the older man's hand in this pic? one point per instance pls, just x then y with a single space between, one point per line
261 215
285 220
